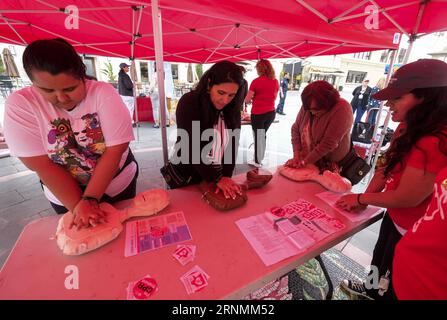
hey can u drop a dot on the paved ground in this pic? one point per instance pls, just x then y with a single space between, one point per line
21 198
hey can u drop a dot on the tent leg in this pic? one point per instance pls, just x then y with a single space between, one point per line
410 48
158 44
375 145
134 80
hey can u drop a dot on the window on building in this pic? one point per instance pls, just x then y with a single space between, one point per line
144 71
174 69
363 55
90 66
401 56
384 56
355 76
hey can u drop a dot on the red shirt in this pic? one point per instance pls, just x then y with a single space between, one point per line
426 156
420 257
265 90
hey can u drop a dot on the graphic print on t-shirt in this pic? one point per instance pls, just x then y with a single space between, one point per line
76 146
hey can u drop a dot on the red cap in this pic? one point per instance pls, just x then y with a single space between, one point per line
424 73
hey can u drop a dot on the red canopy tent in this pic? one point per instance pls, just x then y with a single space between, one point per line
193 31
202 31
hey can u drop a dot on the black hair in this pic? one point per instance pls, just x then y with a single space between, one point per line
429 118
54 56
221 72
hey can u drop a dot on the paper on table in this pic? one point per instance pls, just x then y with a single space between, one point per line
271 246
331 198
195 279
298 226
155 232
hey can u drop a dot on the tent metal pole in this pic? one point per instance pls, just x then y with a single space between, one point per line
345 13
133 77
13 29
343 17
76 43
410 48
413 35
133 74
313 10
158 44
252 37
273 44
291 48
328 49
379 112
220 44
375 145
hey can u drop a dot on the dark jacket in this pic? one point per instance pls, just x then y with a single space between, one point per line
364 100
284 84
125 85
190 108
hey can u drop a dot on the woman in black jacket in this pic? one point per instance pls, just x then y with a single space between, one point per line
208 127
125 88
360 100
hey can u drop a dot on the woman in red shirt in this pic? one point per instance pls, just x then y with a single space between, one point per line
420 260
262 94
417 96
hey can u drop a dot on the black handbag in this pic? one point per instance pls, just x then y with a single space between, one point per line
362 132
176 175
353 167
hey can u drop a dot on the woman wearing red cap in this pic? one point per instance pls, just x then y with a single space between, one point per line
420 260
417 97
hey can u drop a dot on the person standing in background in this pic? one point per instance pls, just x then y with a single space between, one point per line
361 97
125 88
374 103
284 86
155 101
262 93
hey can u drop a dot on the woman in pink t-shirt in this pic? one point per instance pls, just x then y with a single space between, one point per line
262 94
417 98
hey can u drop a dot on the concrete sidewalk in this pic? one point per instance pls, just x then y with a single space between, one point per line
22 200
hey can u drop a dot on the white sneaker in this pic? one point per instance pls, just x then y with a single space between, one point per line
253 163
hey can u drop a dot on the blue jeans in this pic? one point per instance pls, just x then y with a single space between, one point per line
372 117
360 111
280 107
